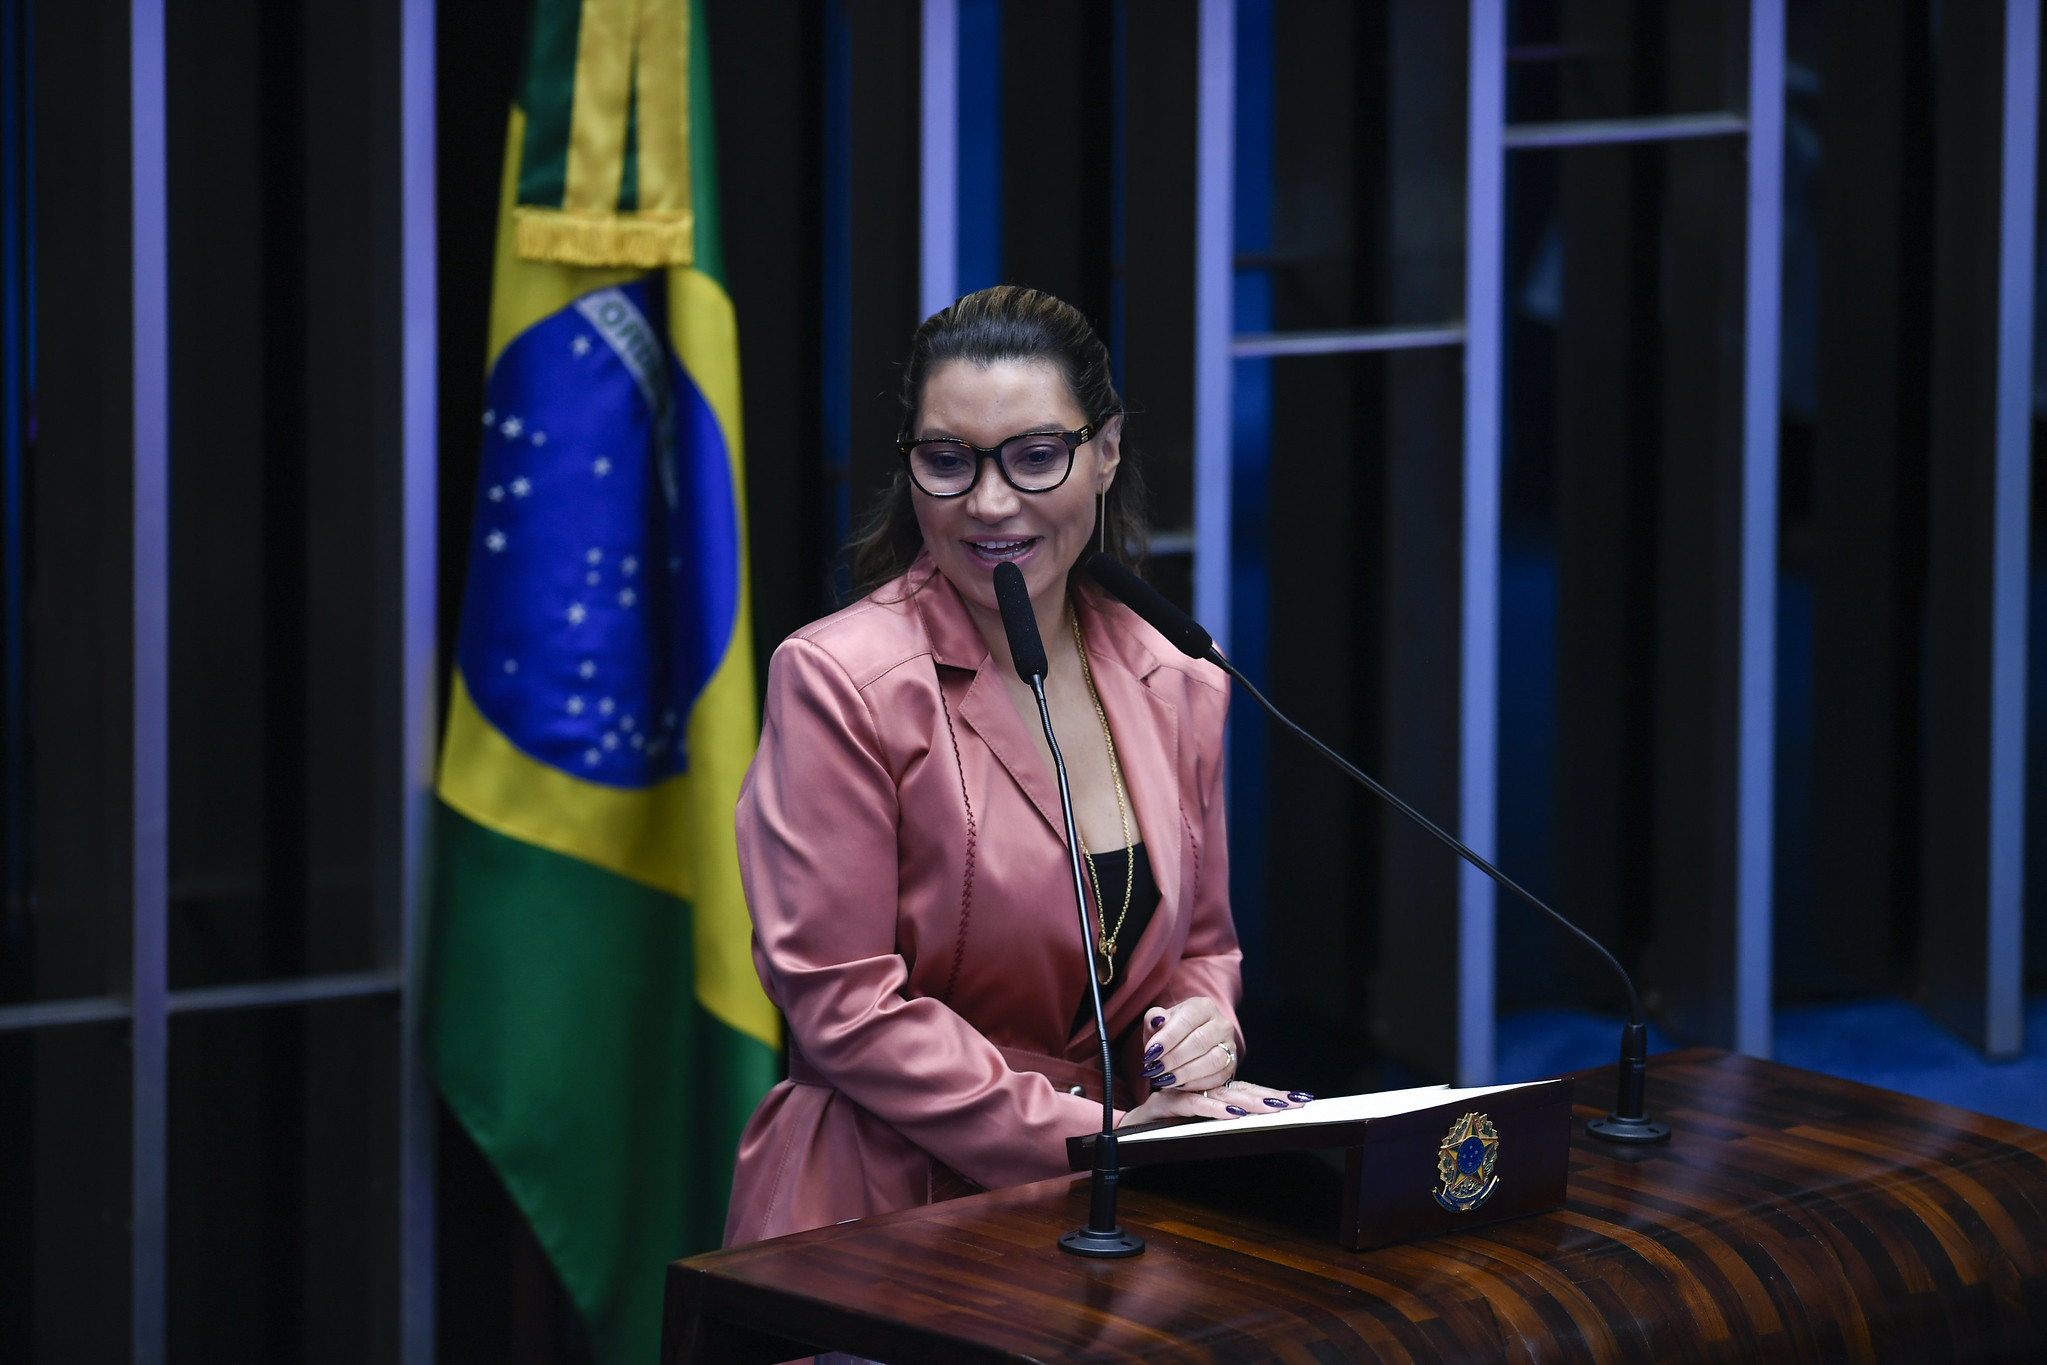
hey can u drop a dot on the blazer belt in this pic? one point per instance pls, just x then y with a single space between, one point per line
1064 1073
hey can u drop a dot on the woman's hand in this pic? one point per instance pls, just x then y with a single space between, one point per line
1191 1060
1232 1100
1191 1047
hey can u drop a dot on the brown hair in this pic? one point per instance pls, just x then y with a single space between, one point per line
1008 322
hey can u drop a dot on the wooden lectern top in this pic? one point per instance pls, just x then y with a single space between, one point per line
1793 1216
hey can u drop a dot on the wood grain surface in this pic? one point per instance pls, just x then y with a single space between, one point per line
1792 1217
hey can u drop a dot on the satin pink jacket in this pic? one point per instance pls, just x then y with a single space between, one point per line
905 865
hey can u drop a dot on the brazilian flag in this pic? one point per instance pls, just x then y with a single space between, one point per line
595 1021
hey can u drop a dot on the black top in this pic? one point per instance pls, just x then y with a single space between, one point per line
1111 868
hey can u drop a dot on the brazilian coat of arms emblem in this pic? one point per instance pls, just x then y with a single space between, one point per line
1465 1162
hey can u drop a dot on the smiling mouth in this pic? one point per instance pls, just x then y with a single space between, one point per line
1002 551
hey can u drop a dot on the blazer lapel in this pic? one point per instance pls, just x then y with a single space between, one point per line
1148 740
986 708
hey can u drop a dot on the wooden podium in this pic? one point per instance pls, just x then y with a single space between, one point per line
1793 1217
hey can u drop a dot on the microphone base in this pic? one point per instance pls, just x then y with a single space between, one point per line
1112 1245
1635 1131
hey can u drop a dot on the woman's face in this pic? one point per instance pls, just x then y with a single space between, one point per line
1043 534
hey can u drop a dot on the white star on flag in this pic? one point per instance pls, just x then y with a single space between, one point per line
497 492
512 426
511 665
521 487
575 706
629 566
576 613
540 438
639 741
602 466
495 540
626 598
588 668
592 757
593 555
610 740
489 417
580 346
625 723
604 707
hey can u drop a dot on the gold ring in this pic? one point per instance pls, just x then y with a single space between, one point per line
1230 1053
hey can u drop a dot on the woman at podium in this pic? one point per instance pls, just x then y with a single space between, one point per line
900 835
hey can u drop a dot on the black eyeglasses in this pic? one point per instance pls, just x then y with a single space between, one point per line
1034 462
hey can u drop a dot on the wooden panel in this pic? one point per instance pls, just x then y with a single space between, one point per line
1158 254
768 67
882 277
1605 496
1793 1217
1057 146
1869 499
1699 533
1414 996
1956 907
74 1302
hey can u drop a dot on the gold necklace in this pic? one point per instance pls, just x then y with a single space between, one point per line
1105 970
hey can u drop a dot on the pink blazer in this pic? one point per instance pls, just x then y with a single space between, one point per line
905 865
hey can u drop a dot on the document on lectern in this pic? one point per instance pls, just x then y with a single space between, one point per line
1340 1121
1383 1104
1416 1162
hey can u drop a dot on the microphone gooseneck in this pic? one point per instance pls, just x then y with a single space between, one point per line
1629 1122
1101 1238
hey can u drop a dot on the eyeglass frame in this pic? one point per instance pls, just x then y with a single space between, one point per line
1074 441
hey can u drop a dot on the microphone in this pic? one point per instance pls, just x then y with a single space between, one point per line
1101 1238
1628 1122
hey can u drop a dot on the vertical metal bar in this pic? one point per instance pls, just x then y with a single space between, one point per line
418 627
1214 194
939 159
150 664
2004 972
1757 725
1479 669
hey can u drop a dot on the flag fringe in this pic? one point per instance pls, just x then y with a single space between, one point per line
649 239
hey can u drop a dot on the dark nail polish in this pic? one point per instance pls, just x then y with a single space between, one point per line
1163 1081
1276 1104
1299 1096
1151 1054
1158 1021
1234 1110
1152 1069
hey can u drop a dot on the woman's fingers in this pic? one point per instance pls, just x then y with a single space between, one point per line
1262 1099
1200 1055
1185 1104
1168 1028
1182 1044
1234 1100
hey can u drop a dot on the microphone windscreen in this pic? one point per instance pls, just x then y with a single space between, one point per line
1182 630
1019 622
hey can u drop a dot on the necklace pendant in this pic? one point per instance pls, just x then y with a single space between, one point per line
1105 970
